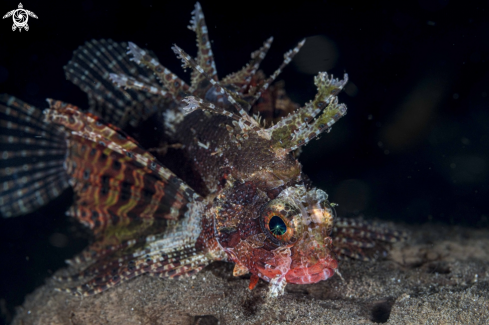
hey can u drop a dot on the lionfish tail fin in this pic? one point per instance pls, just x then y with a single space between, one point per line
32 158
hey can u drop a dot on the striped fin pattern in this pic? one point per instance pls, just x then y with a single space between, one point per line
170 252
145 219
32 157
113 177
112 189
90 69
166 262
361 239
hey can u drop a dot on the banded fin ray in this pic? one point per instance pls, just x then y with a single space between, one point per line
243 77
32 158
176 87
115 180
112 190
204 58
361 239
144 218
165 263
90 69
314 118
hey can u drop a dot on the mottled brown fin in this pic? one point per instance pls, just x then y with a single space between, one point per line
90 69
363 240
32 157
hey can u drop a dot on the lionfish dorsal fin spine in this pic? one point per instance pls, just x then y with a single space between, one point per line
288 56
91 67
170 81
205 57
243 77
317 116
187 61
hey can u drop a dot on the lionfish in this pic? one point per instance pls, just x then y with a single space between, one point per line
218 180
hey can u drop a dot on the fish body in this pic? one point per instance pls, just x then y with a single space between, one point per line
221 181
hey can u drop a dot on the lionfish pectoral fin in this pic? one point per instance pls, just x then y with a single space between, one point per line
240 270
363 240
33 154
253 281
144 218
169 263
315 117
116 182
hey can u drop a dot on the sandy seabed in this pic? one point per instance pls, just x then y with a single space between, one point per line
439 276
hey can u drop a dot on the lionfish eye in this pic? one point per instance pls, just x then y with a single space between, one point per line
277 226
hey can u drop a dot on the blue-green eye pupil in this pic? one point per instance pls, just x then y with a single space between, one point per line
277 226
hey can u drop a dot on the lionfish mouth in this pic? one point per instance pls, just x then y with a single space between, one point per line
320 271
312 259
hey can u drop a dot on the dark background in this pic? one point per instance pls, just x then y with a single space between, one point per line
412 148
